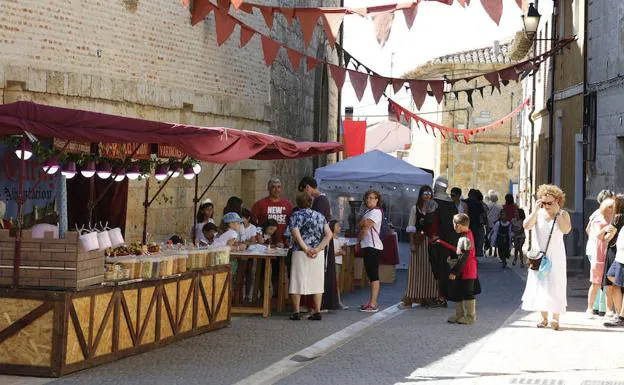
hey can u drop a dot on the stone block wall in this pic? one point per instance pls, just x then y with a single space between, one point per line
143 59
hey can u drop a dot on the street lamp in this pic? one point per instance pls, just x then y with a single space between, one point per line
531 21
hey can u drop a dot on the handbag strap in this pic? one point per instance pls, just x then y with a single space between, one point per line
551 232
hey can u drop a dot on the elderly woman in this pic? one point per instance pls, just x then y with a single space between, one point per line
311 234
546 293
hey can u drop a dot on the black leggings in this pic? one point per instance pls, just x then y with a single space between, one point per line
371 262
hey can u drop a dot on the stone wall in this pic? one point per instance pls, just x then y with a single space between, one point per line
492 160
143 59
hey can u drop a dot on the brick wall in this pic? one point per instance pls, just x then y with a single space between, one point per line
143 59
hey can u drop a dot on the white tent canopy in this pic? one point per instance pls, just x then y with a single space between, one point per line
374 166
396 180
387 136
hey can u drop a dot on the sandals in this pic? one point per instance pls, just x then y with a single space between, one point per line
554 325
315 317
542 324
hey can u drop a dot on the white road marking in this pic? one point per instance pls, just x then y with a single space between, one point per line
287 366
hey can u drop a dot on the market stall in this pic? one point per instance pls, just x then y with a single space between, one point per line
75 299
398 182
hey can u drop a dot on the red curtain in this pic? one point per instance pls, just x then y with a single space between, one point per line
354 137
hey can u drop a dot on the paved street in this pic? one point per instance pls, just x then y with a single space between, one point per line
390 347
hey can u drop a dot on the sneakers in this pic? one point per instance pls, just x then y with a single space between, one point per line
295 317
315 317
619 323
368 308
589 313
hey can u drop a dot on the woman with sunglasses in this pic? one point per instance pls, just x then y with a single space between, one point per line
422 287
371 246
545 291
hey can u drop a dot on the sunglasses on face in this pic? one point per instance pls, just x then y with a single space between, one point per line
427 194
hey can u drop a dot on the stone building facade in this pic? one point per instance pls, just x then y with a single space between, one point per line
491 160
143 59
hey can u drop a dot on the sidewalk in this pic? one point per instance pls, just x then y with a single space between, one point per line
582 352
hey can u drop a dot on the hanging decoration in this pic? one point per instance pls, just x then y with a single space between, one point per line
457 134
382 15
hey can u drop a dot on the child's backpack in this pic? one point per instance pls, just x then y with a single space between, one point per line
502 237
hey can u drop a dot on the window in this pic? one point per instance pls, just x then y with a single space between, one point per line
591 127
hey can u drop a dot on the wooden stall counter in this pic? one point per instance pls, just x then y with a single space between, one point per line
52 333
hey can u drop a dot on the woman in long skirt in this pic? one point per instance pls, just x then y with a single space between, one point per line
545 291
422 287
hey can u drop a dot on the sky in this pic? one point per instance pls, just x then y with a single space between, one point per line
438 30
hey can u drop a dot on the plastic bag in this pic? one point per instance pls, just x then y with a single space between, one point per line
545 267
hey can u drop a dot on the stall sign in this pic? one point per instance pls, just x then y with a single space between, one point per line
165 151
73 147
123 150
42 191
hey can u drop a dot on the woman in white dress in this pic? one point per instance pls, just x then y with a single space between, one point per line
547 294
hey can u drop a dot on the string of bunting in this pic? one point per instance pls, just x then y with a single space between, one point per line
225 24
454 133
494 8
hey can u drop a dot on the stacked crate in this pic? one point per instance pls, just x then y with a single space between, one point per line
50 263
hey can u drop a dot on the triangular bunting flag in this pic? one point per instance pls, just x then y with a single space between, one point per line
311 63
267 14
247 8
419 92
410 14
469 97
270 49
494 9
289 14
505 82
519 2
462 2
347 57
245 35
456 93
358 82
237 3
383 26
378 86
508 74
481 91
308 19
295 58
201 9
492 77
224 25
332 22
437 87
338 74
397 84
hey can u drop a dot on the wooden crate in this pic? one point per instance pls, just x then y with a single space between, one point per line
52 333
50 263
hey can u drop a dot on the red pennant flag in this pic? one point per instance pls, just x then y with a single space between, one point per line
437 87
247 8
295 58
410 15
245 35
508 74
397 84
519 2
201 9
419 92
338 74
494 9
462 2
224 25
492 77
358 82
311 63
267 13
270 49
378 86
308 19
237 3
332 22
289 13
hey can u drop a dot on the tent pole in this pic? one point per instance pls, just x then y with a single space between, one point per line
195 200
145 207
20 217
211 182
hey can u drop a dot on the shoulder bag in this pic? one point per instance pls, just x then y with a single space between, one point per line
534 256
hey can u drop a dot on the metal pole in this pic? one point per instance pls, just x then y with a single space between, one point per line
145 207
195 200
211 182
20 217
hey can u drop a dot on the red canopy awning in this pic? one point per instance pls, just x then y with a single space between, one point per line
211 144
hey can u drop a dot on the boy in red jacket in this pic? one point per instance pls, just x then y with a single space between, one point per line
464 284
